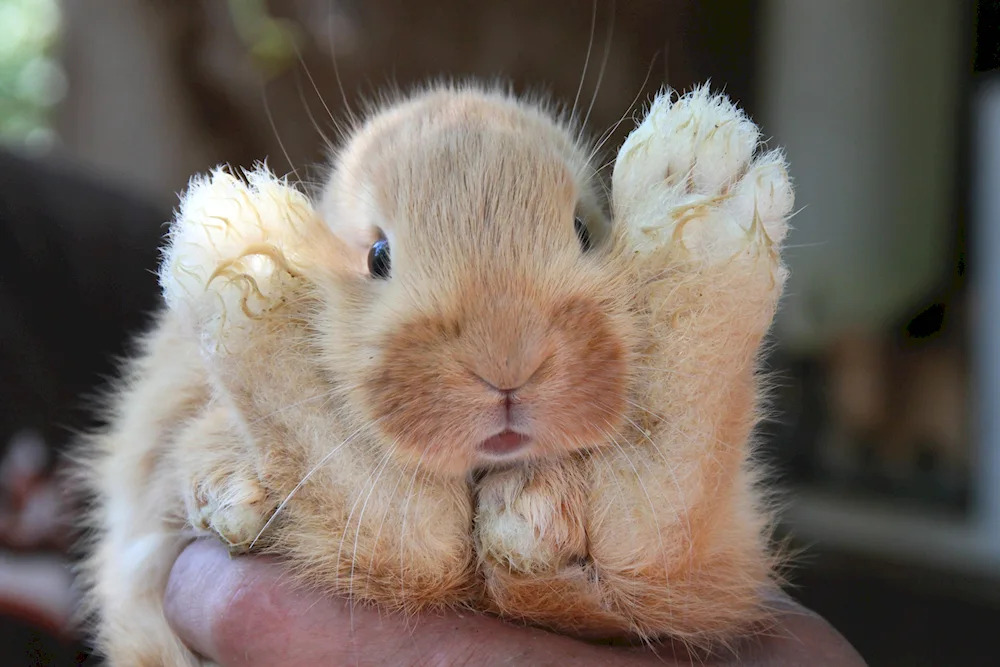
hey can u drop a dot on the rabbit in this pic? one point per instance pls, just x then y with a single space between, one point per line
456 376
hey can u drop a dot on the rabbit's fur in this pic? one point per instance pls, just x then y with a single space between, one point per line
291 403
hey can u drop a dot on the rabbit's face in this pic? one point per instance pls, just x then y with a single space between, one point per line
484 321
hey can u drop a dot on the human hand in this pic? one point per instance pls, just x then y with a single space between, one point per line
238 612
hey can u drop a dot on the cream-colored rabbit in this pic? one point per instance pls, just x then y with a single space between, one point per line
452 380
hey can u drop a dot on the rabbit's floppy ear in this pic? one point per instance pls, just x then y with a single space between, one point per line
237 249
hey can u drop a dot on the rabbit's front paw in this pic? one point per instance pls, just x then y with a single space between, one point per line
232 506
530 520
690 178
533 548
223 494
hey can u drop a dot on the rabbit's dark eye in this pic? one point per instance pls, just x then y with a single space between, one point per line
583 234
379 261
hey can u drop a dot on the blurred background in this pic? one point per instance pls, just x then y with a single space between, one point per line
886 433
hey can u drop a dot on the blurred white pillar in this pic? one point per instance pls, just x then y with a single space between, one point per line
863 96
985 257
125 114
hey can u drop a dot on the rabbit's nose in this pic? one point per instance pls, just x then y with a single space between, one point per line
510 377
506 391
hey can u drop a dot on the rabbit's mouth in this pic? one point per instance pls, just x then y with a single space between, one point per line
504 444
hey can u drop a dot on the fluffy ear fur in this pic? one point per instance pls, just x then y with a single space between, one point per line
237 249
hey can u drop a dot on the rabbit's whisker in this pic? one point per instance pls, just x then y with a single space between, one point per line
390 452
307 476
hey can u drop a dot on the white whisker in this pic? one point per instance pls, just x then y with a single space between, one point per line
306 478
274 127
607 134
389 506
586 62
402 528
649 499
312 119
604 64
325 395
336 67
673 476
361 515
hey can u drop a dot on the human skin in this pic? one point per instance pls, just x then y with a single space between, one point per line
242 611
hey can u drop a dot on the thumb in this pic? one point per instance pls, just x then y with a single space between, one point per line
236 611
240 611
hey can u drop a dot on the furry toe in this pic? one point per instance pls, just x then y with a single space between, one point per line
690 177
530 520
232 508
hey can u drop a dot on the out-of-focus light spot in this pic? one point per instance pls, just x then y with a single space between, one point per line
14 27
41 81
39 141
32 81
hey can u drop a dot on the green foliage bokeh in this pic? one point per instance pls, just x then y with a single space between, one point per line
31 79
